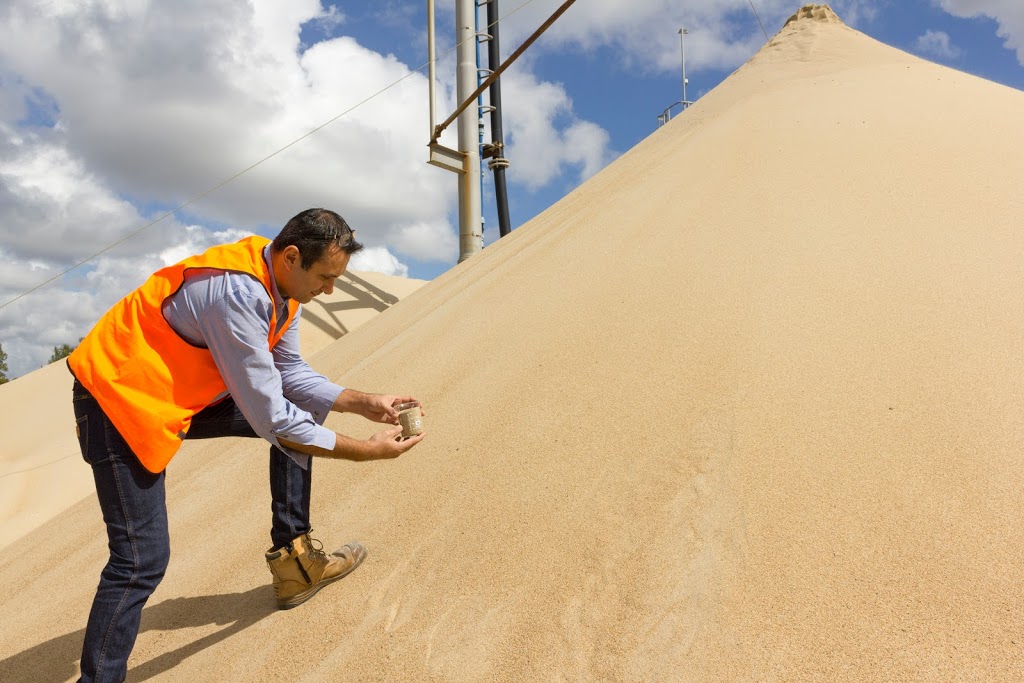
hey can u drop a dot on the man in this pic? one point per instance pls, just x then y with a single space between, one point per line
204 348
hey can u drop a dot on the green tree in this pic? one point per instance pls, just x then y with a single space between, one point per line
3 365
62 351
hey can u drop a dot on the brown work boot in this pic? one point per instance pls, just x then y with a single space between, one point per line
300 569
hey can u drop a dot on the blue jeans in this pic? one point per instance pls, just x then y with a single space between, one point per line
134 508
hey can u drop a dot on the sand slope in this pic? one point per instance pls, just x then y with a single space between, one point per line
41 468
744 406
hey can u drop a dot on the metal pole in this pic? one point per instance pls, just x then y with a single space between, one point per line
471 239
682 49
479 108
431 57
497 135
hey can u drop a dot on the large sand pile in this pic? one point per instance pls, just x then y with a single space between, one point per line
745 406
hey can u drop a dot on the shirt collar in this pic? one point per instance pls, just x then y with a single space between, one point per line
279 300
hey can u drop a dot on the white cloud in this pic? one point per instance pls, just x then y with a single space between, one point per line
426 240
586 144
53 207
541 148
378 260
195 240
165 100
1008 14
937 44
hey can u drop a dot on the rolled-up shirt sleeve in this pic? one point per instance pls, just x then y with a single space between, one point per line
300 384
235 328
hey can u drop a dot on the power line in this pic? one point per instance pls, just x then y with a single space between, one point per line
250 167
758 20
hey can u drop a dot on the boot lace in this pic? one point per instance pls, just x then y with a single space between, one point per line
316 552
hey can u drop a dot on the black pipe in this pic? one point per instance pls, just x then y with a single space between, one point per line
498 162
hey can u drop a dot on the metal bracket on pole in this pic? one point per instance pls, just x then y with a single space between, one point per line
447 158
497 72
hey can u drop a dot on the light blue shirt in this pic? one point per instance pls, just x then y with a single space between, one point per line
278 393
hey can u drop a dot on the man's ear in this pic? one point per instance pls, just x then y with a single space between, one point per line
291 257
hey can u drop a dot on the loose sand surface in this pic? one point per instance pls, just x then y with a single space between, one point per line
745 406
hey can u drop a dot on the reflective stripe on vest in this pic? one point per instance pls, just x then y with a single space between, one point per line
148 380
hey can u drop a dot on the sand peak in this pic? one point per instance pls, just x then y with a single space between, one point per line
822 13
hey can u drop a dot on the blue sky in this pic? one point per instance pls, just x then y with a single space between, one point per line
113 112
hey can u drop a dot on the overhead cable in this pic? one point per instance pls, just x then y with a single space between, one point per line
758 20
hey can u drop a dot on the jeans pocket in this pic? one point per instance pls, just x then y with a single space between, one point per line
82 432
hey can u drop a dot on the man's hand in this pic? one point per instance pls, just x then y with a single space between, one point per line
374 407
387 443
384 445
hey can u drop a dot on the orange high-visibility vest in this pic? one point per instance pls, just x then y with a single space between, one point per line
148 380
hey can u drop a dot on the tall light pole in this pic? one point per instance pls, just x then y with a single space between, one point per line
464 161
682 50
667 114
471 236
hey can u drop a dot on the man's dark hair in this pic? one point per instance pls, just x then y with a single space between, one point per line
312 231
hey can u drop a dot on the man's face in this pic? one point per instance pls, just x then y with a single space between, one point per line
302 285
